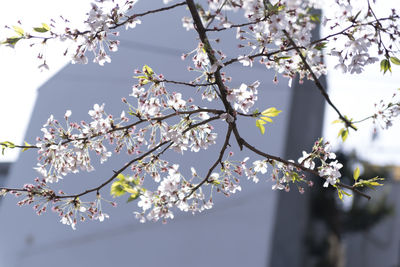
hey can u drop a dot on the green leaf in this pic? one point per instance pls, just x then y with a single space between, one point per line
276 59
320 46
12 41
45 26
315 17
6 144
266 119
340 194
120 177
216 182
343 133
347 194
295 177
117 189
134 195
140 77
371 183
132 198
131 190
26 148
385 66
259 124
375 184
395 60
18 30
40 29
148 71
356 174
271 112
266 114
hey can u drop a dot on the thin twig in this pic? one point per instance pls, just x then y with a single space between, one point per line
188 84
130 18
116 173
318 83
219 160
288 163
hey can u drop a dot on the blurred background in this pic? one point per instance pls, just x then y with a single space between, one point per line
256 227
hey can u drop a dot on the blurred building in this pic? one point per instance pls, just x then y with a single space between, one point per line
4 167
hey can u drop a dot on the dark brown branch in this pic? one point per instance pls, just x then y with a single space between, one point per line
116 173
116 25
188 84
214 111
13 189
262 54
198 25
288 163
268 55
219 160
236 25
132 17
16 146
216 13
318 83
97 188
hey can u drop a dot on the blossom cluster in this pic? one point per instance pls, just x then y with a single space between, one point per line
189 195
328 170
385 113
64 150
70 209
279 33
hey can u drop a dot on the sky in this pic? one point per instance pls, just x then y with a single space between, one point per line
20 78
19 74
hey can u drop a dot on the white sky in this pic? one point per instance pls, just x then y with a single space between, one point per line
20 78
19 74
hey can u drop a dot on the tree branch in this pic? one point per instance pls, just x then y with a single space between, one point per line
318 83
288 163
219 160
97 188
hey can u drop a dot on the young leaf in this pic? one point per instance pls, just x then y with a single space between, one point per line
356 174
343 133
266 119
117 189
271 112
315 17
340 194
259 124
26 148
40 29
12 41
18 30
371 183
133 196
148 71
395 60
385 66
320 46
45 26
